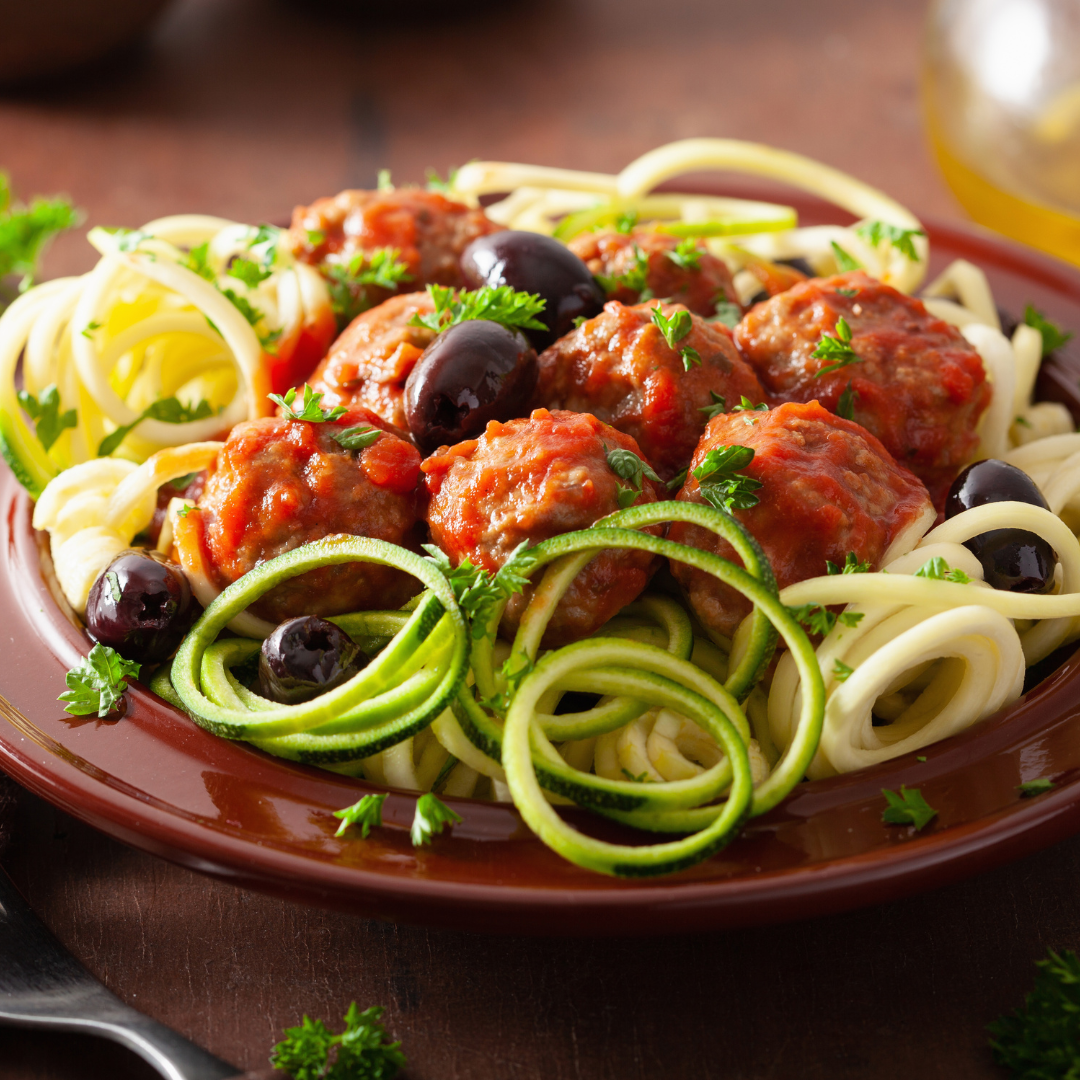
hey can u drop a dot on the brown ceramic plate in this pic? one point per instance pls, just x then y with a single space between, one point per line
156 781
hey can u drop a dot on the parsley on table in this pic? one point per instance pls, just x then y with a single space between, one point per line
25 232
97 683
1053 337
634 279
168 410
686 255
502 304
366 814
1041 1040
907 808
844 261
851 566
675 327
937 569
874 232
360 1052
842 670
432 816
310 409
357 438
349 282
626 465
1036 787
845 406
818 619
49 422
720 482
718 406
836 349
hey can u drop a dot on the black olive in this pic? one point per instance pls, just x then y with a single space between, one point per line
472 373
800 264
141 606
305 657
1012 559
533 263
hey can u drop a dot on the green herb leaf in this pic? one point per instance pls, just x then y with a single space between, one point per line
843 291
718 406
626 221
842 671
250 273
687 255
49 422
357 438
1053 337
383 181
97 683
310 410
674 327
746 405
845 407
360 1052
367 814
641 778
676 481
25 232
197 261
501 304
907 808
727 312
431 817
844 262
626 465
635 278
850 618
1036 787
720 483
690 357
579 321
937 569
874 232
89 328
349 283
437 183
837 349
167 410
851 566
817 618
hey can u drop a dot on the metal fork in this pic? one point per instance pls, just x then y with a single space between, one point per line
43 986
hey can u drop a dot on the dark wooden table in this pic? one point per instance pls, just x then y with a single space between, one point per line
243 108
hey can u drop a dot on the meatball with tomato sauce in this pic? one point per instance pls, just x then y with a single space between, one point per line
915 381
620 368
828 487
529 480
664 266
280 483
370 361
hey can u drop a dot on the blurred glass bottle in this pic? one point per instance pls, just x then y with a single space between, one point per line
1001 89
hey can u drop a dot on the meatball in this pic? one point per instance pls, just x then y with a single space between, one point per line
827 487
281 483
620 368
699 282
428 230
917 384
370 361
531 479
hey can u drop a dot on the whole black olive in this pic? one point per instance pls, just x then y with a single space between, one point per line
800 264
472 373
305 657
141 606
1012 559
533 263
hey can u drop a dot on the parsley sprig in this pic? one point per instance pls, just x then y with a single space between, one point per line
432 815
360 1052
357 438
845 405
852 565
25 232
626 465
818 619
937 569
309 409
350 283
845 263
168 410
675 327
727 312
907 808
686 255
874 232
1053 337
720 482
49 422
366 814
718 406
502 304
634 278
842 671
837 350
97 683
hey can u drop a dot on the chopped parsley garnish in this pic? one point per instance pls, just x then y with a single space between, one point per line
436 183
310 408
873 232
686 255
88 330
97 683
726 312
844 261
25 232
383 181
841 670
844 291
626 465
316 238
641 778
845 406
746 405
580 320
197 261
476 590
937 569
633 279
168 410
721 484
676 481
907 808
626 221
501 304
1036 787
349 282
1053 337
1023 421
837 350
514 668
357 438
49 422
1041 1040
818 619
366 814
675 327
360 1052
249 272
851 566
718 406
431 817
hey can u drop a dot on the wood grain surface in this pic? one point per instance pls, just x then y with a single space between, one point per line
244 108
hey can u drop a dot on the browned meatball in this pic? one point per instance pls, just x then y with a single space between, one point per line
827 487
916 384
620 368
531 480
370 361
699 280
280 483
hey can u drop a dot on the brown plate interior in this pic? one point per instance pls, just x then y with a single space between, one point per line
156 781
